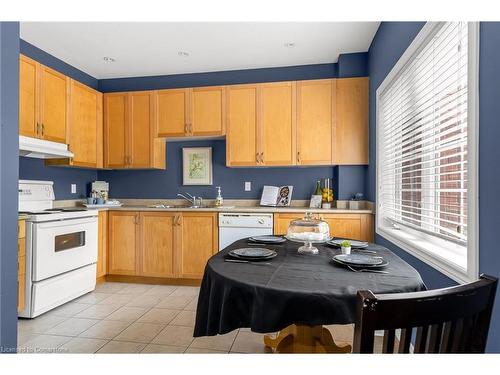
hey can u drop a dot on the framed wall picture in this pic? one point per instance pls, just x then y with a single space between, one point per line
197 166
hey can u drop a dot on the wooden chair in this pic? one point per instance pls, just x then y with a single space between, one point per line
449 320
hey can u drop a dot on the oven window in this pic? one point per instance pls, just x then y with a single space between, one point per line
69 241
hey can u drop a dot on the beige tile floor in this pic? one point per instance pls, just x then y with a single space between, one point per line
135 318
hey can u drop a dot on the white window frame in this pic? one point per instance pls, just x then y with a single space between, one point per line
417 243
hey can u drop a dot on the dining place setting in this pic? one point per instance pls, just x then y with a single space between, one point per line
295 285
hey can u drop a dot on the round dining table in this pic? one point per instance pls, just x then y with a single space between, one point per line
292 294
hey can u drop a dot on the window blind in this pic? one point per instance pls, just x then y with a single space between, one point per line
423 134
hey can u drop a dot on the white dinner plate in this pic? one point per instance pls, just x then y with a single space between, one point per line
354 244
358 259
253 252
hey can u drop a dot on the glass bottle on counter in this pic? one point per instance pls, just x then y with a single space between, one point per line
318 188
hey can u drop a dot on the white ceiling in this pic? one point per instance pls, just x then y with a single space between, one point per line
149 48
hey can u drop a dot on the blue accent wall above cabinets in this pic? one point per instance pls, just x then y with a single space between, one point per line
9 146
63 177
53 62
228 77
389 43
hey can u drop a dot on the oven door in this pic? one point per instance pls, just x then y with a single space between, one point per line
62 246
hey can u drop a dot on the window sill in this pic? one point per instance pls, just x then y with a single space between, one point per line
422 249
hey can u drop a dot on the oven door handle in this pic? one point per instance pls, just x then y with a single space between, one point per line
66 222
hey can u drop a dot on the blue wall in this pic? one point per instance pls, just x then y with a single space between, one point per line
63 177
166 184
391 40
9 146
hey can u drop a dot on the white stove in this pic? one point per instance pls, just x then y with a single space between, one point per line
61 249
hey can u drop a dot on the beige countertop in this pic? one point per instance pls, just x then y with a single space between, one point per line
243 209
244 206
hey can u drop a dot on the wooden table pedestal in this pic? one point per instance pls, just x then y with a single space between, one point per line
304 339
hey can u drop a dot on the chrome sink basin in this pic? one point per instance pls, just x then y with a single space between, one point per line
174 206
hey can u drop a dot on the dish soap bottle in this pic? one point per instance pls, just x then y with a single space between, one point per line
219 201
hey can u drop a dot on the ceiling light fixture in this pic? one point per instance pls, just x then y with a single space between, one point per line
183 53
108 59
290 44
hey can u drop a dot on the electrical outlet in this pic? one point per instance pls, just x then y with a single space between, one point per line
73 188
248 186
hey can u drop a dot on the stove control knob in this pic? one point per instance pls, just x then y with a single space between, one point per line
261 221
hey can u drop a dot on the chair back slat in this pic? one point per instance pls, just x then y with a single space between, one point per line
450 320
388 343
405 340
421 339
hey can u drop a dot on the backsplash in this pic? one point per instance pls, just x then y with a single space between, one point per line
152 184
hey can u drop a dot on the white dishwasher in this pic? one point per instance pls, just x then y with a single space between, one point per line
235 226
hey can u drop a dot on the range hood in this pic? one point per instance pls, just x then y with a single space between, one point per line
42 149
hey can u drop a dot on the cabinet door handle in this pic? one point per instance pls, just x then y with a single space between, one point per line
190 128
262 157
298 156
43 129
37 129
186 128
257 157
136 219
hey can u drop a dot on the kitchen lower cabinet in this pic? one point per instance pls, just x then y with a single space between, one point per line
102 244
353 226
198 243
161 244
123 240
21 268
159 236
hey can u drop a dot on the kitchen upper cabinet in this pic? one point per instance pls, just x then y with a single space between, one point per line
85 128
129 123
115 130
207 111
242 122
173 112
141 126
123 241
54 94
199 241
102 244
28 95
351 125
191 112
315 114
43 101
159 233
277 125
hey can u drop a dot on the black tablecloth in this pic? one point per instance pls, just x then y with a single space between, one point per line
293 288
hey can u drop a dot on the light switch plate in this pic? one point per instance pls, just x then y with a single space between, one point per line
73 188
248 186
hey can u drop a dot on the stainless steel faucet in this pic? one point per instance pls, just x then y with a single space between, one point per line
192 199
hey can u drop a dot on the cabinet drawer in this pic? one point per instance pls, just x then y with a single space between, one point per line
21 247
21 266
21 229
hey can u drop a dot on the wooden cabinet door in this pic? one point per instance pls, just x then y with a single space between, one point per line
351 226
173 112
351 129
277 130
281 222
315 111
85 126
115 123
159 231
141 124
123 242
199 241
54 88
242 122
28 94
207 111
102 244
